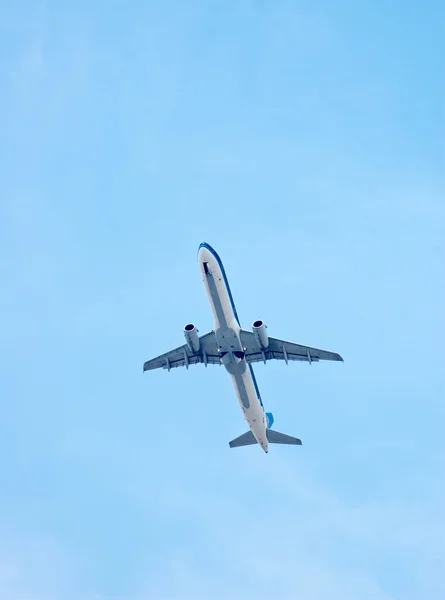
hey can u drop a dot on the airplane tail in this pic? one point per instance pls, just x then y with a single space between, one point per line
243 440
274 437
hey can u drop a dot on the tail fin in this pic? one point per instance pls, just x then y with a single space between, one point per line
243 440
275 437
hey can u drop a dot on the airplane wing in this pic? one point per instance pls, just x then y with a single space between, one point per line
282 350
183 356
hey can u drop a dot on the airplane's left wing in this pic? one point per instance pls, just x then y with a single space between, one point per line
183 356
282 350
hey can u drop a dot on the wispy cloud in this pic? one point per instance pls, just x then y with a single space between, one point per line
313 542
127 132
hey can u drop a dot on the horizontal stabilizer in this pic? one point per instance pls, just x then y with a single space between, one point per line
275 437
243 440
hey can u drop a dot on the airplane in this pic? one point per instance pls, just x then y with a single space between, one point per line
236 348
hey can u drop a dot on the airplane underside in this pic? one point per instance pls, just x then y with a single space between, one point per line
236 348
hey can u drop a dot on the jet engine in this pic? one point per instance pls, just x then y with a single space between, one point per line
191 337
260 333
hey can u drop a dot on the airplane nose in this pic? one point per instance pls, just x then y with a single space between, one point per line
204 255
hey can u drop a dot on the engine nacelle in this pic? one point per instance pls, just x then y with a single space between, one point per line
191 337
260 333
269 420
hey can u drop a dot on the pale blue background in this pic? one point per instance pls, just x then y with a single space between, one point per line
305 142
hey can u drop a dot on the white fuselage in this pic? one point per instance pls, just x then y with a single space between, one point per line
227 332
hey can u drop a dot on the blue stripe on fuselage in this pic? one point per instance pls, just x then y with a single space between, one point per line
221 266
255 384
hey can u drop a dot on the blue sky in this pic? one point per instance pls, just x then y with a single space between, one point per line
305 142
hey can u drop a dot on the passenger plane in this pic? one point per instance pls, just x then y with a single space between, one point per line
236 348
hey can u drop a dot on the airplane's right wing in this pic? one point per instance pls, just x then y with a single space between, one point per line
282 350
183 356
